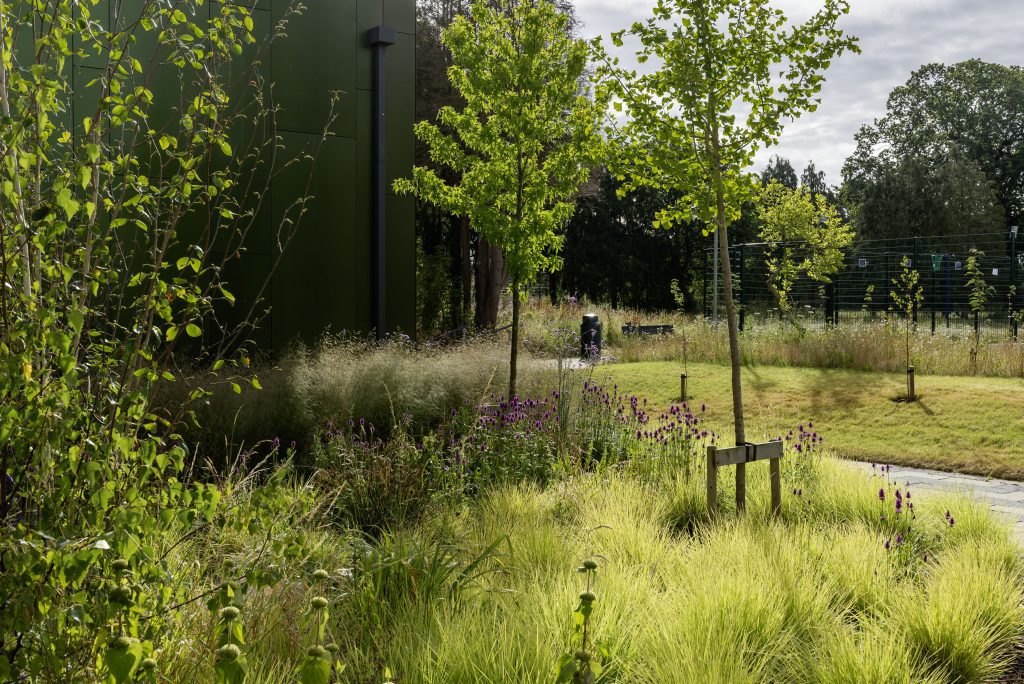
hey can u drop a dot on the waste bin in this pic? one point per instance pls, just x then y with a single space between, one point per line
590 337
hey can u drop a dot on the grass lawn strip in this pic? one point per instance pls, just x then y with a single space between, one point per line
962 424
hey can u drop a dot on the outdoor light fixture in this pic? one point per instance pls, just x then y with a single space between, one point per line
1013 231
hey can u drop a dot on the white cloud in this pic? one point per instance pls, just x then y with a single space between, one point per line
896 36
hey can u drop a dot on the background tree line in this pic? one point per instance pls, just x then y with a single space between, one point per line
946 160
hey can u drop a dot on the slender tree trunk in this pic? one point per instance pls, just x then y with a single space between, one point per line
490 276
467 271
731 318
514 357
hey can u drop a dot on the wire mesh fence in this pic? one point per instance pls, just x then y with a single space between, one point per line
862 289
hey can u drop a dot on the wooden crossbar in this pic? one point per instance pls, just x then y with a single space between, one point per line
747 453
739 456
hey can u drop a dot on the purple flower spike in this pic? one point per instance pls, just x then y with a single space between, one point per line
886 544
881 494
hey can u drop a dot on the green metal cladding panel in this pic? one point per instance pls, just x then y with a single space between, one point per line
324 280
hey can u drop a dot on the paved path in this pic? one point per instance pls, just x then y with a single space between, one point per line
1005 497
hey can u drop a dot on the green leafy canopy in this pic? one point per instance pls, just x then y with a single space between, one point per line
729 75
526 138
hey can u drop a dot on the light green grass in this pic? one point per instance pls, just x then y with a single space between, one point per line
963 424
813 597
816 598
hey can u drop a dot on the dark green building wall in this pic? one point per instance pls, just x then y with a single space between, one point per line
325 278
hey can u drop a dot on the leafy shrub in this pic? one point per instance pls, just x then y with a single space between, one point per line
108 274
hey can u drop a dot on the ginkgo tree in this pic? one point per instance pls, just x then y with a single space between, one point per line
725 77
523 143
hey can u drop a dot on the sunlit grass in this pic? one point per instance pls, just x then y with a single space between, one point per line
970 425
815 597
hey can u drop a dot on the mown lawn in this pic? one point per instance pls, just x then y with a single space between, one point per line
963 424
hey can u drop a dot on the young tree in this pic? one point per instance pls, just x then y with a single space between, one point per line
806 235
524 142
980 292
730 74
907 295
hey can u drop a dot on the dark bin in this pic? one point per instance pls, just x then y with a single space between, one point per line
590 337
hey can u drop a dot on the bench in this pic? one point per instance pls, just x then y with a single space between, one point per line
630 329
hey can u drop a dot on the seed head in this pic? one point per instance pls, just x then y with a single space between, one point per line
122 595
229 653
119 565
148 664
121 642
588 597
318 602
590 564
228 613
316 651
320 574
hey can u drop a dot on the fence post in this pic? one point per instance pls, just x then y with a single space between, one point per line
1013 278
775 473
918 269
933 293
712 484
743 289
828 304
949 290
888 285
704 295
835 301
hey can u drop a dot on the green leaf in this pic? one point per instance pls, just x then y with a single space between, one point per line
314 670
122 663
76 319
193 330
66 201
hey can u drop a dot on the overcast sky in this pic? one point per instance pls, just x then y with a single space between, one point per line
896 36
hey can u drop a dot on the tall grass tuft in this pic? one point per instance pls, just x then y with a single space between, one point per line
388 384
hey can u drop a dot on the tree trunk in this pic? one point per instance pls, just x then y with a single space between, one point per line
514 356
490 276
466 271
733 323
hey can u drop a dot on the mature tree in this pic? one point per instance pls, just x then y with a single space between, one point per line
781 170
524 142
814 182
941 198
612 253
806 236
972 110
730 73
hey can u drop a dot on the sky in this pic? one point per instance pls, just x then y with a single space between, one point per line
896 36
